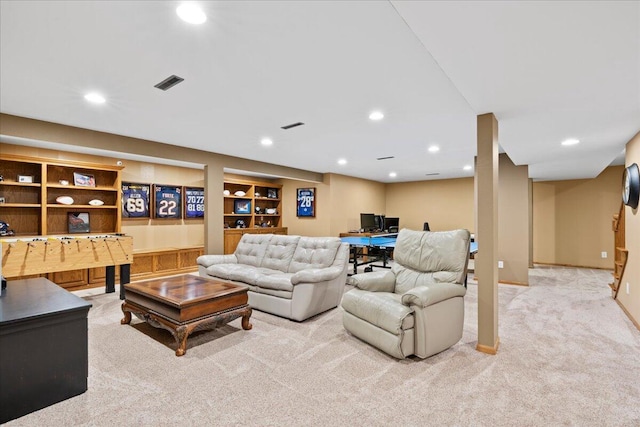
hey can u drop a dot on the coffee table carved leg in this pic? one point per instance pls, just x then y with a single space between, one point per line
246 325
181 334
127 315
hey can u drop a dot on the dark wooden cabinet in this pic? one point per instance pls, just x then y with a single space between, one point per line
44 347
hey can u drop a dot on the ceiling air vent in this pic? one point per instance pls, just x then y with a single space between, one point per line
432 174
386 158
292 125
169 82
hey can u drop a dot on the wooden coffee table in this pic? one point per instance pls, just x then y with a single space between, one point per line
184 304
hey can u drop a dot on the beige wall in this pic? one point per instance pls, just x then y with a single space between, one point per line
339 201
445 204
15 127
572 219
513 222
631 301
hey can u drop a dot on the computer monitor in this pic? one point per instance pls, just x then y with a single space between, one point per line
367 221
391 223
380 223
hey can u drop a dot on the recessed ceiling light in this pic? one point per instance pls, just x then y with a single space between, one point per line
191 13
342 161
266 142
96 98
393 174
467 167
571 141
376 115
434 149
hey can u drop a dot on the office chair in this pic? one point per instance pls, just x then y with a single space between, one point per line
425 227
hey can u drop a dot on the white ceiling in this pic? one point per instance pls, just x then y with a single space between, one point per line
548 71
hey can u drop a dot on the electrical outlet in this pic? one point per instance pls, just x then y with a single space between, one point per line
603 254
627 288
500 264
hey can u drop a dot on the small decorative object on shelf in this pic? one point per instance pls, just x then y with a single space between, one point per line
241 224
1 199
78 222
5 230
272 193
63 182
240 193
83 180
226 192
1 178
65 200
25 178
96 202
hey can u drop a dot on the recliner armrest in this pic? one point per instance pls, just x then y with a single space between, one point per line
424 296
209 260
375 281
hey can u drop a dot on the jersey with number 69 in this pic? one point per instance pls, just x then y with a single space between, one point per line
135 201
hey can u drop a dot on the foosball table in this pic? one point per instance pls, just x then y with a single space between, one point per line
25 256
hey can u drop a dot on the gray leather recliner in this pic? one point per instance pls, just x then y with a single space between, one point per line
417 307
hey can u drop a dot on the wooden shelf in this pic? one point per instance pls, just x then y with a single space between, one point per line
19 205
255 195
21 184
30 208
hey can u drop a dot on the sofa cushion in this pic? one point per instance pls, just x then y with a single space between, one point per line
251 248
274 279
238 272
279 252
314 252
383 309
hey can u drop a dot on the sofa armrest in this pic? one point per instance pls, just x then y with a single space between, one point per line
424 296
316 275
209 260
375 281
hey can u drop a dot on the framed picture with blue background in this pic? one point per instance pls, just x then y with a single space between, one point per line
306 202
242 206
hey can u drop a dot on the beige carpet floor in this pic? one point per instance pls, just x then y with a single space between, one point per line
568 356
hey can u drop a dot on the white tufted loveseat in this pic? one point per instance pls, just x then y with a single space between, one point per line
290 276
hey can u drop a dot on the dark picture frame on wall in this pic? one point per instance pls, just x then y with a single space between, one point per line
136 198
306 202
167 200
193 202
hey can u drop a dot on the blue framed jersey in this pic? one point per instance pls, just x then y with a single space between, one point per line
168 201
194 202
135 200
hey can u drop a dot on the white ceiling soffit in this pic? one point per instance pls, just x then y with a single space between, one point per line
548 70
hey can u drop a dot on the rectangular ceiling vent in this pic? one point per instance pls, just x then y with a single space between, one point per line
292 125
386 158
432 174
169 82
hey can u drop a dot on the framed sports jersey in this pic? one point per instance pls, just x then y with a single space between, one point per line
167 201
135 200
193 202
306 202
